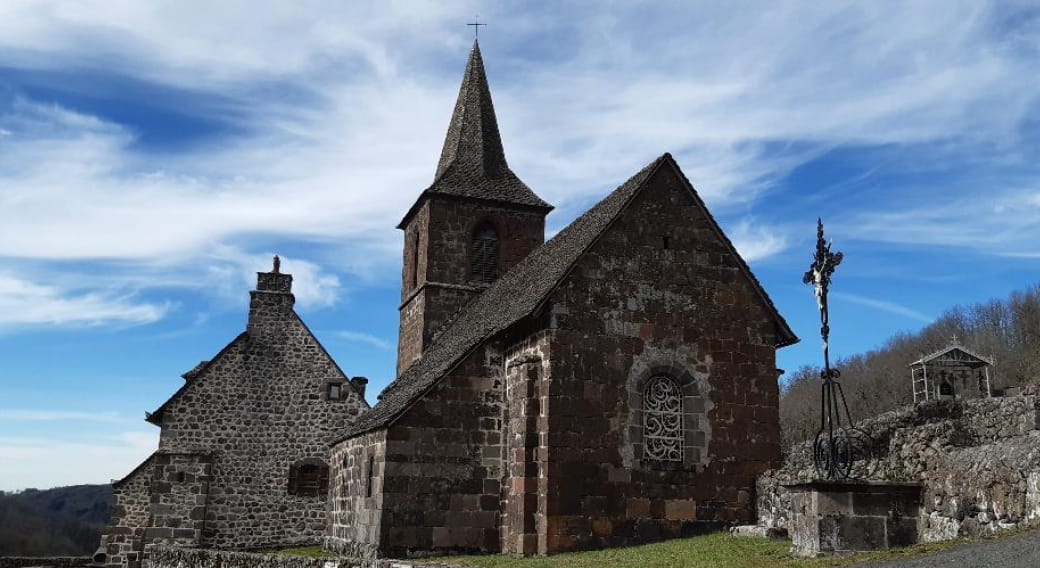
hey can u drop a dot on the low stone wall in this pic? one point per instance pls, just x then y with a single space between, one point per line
44 561
979 462
177 557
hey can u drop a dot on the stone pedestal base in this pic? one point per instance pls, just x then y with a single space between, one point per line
829 517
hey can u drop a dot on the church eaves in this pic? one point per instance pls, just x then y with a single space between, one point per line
519 293
473 162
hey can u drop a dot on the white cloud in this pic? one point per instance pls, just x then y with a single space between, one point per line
27 303
30 415
233 271
360 337
1000 221
99 461
340 125
755 241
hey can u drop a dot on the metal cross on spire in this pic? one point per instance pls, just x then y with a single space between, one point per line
476 26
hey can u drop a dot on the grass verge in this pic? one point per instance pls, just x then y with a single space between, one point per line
716 550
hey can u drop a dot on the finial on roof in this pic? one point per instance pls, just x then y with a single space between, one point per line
955 339
476 27
277 265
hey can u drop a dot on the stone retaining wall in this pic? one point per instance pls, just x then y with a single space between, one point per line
44 561
179 557
979 461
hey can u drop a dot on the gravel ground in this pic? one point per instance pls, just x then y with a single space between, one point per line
1019 551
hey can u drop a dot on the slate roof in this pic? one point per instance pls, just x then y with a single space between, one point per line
519 292
473 162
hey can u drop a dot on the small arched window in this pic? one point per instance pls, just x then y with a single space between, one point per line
484 254
662 421
308 478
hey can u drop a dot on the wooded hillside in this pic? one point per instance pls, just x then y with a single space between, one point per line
1007 330
64 521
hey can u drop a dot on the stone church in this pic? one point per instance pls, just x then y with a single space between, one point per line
614 385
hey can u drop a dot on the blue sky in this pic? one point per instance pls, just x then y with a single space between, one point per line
153 156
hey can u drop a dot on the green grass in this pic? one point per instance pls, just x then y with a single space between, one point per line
716 550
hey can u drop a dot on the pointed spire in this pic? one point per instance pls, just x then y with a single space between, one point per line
473 142
473 164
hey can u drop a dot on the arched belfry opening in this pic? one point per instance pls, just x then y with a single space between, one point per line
484 254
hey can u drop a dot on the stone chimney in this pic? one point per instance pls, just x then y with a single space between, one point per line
271 304
359 385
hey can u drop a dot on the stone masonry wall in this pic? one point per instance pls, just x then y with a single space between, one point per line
176 557
659 293
178 496
122 541
356 496
229 437
44 561
436 279
979 461
524 484
258 409
441 481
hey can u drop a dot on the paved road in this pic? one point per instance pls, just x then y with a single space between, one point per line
1019 551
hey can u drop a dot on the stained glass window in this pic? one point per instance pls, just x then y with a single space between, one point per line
662 421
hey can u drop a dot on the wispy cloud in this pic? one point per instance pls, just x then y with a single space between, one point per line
756 241
1003 221
27 303
29 415
884 305
338 130
360 337
98 461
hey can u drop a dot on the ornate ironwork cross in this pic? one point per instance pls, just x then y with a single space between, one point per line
819 275
840 449
476 26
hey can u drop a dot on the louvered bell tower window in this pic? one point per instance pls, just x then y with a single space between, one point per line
484 259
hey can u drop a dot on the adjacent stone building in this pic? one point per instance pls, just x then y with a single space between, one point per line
616 384
243 452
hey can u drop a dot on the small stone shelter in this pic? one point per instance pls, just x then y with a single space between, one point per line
953 372
616 384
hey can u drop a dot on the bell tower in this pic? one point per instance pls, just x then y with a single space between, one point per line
469 227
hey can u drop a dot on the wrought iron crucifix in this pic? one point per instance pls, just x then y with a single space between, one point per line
819 275
840 450
476 26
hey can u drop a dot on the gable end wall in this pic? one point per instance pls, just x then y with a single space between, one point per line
631 308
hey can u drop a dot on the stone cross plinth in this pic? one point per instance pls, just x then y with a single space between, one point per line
829 517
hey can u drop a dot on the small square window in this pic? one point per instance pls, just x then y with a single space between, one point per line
334 391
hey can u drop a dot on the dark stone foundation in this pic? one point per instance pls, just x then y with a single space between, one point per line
853 516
